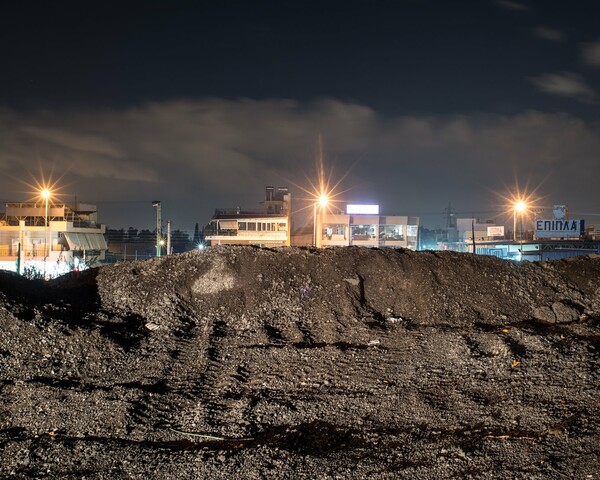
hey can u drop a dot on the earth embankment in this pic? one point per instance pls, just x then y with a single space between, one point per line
239 362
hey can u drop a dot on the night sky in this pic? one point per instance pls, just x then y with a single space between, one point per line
201 104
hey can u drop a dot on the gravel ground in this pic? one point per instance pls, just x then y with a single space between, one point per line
240 362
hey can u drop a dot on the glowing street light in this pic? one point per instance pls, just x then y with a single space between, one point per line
156 205
46 194
520 207
322 202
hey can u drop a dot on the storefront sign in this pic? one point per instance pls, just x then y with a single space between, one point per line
559 228
362 209
496 231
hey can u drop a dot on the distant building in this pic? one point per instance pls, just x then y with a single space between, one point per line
554 236
269 226
484 231
361 225
70 239
592 232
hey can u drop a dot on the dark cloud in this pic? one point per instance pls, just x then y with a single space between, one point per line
198 155
591 54
513 5
565 84
550 34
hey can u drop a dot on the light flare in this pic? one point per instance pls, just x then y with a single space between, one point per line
520 206
323 191
42 187
524 202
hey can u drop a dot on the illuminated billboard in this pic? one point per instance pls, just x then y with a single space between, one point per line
362 209
495 231
559 228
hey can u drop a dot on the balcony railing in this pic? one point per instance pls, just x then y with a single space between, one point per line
220 232
39 222
33 251
229 232
86 224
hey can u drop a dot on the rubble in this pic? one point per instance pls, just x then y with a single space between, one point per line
241 362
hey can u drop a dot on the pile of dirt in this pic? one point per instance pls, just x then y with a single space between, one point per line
240 362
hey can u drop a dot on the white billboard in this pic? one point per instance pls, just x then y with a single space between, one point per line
559 212
559 228
495 231
362 209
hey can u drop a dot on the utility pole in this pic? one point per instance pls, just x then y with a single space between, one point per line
21 246
156 205
450 214
169 237
19 259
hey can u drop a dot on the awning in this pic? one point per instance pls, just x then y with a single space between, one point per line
86 241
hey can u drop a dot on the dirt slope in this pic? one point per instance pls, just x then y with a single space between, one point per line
239 362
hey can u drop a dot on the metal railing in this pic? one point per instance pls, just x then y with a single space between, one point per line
220 232
86 224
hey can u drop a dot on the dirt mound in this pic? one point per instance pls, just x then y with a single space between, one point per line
239 362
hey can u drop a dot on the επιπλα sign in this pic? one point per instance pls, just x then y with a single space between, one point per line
559 228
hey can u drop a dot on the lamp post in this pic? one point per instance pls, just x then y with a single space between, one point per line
519 208
156 205
321 202
45 194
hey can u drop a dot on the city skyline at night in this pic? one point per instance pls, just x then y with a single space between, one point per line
419 103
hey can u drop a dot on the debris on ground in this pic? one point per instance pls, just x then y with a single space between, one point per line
241 362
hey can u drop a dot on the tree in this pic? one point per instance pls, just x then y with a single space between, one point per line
180 242
196 238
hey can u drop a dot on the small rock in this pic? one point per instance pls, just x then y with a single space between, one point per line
564 313
545 314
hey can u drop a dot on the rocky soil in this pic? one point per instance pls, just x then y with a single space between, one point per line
239 362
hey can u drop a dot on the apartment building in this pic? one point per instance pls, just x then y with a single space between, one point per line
269 226
51 241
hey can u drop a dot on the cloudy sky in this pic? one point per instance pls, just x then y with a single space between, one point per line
201 104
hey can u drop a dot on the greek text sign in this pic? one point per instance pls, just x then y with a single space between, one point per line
559 228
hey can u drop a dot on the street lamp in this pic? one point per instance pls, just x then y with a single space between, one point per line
156 205
45 194
520 207
322 202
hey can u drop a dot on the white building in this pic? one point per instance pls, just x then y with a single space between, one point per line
362 225
484 231
63 239
268 227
